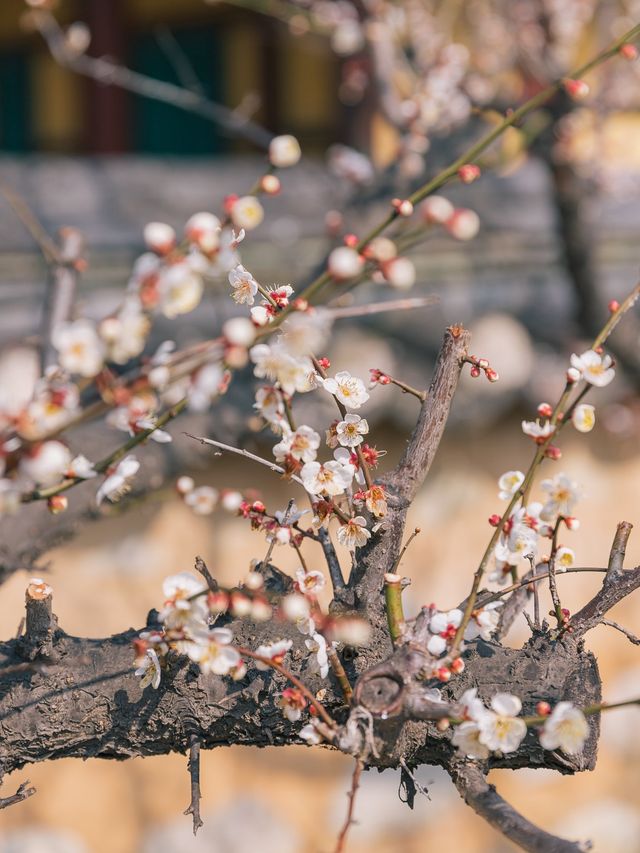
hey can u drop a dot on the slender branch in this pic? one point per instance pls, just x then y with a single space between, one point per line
112 459
631 637
380 307
193 766
339 672
608 596
241 452
110 73
487 802
203 569
349 821
23 793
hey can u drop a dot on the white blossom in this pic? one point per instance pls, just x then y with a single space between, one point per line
117 482
215 654
330 478
501 729
351 430
564 559
566 729
584 417
149 670
348 389
594 368
275 363
274 651
563 493
81 468
345 263
309 582
466 739
247 213
80 349
537 430
159 237
318 646
244 285
125 334
202 500
484 622
509 483
310 735
302 444
46 463
203 229
179 289
284 151
354 533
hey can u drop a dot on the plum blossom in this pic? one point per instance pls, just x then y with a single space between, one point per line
203 229
180 289
563 493
284 151
564 559
159 237
348 389
149 670
276 364
273 651
467 740
302 444
566 729
292 703
594 368
538 431
584 417
247 213
269 404
484 622
202 500
46 463
81 468
206 384
518 539
244 285
354 533
351 430
214 654
310 735
509 483
501 728
331 478
125 334
443 626
118 480
376 501
318 646
79 347
309 582
345 263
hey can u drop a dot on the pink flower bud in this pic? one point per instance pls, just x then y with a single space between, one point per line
483 363
464 224
494 520
403 207
57 504
613 306
475 371
443 674
469 173
457 666
270 184
543 709
571 522
436 209
545 410
553 452
491 374
629 51
576 89
443 724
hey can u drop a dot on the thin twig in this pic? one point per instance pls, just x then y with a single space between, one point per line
23 793
349 821
380 307
333 564
203 569
193 766
339 672
631 637
241 452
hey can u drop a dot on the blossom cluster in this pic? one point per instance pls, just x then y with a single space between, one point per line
500 729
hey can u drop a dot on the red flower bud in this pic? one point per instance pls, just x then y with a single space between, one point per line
613 306
545 410
629 51
443 674
494 520
469 173
543 709
553 452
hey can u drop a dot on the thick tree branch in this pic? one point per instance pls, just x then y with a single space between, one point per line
487 802
608 596
405 480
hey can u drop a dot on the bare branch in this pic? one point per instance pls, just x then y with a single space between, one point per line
631 637
241 452
618 550
355 782
23 793
487 802
203 569
193 766
112 74
333 564
609 595
61 290
405 480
